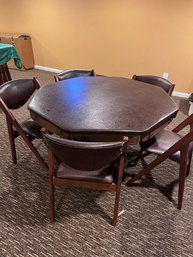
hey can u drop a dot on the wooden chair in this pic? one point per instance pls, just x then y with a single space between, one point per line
68 74
13 95
170 144
156 81
167 86
85 165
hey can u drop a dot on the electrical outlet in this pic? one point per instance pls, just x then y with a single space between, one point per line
165 75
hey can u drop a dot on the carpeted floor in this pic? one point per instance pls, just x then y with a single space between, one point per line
150 226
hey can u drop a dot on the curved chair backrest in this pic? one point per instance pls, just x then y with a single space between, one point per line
86 165
15 93
156 81
84 155
68 74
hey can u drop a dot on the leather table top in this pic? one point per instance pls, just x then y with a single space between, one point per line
102 106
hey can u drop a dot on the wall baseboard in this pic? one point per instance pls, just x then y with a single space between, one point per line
180 94
175 93
46 69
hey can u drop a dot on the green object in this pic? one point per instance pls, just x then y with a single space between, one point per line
7 53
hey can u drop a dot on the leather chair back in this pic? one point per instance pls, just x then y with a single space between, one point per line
156 81
16 93
84 155
68 74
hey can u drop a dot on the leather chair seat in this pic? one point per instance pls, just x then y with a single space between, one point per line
163 141
100 175
31 129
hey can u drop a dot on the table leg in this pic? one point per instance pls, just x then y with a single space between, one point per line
4 74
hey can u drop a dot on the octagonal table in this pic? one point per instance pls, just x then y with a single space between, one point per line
102 109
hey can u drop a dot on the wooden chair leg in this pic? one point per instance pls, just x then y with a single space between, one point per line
26 140
118 191
189 165
51 184
182 175
51 201
148 168
36 153
116 207
12 141
30 145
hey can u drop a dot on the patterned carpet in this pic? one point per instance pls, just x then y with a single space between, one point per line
150 226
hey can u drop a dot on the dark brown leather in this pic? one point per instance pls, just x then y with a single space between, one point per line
31 129
86 156
104 175
68 74
16 93
156 81
102 106
163 141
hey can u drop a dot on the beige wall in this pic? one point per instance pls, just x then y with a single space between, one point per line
115 37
